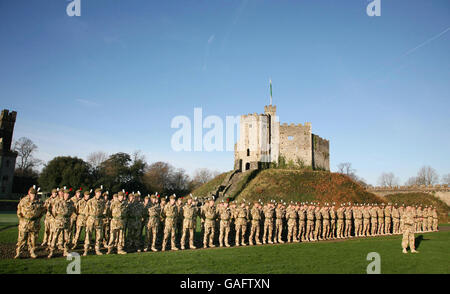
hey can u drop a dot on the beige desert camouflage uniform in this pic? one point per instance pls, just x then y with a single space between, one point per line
310 224
395 220
81 219
380 214
408 230
318 224
325 222
225 216
301 223
48 221
269 213
333 218
366 221
387 219
348 222
255 213
279 214
373 220
119 210
94 211
169 213
358 216
291 215
340 222
241 215
154 221
189 215
62 212
210 224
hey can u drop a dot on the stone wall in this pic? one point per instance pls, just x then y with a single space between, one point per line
295 143
320 152
440 191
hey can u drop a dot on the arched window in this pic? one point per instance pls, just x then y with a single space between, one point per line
248 152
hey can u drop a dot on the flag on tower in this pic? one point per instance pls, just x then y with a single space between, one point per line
270 91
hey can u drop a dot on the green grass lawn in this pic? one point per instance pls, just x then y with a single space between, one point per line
322 257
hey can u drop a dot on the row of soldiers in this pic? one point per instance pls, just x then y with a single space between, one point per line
121 222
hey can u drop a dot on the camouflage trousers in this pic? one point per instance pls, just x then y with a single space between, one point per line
117 235
81 223
268 231
380 230
333 228
408 237
278 229
435 224
396 226
374 226
325 229
254 232
188 227
348 228
210 227
387 225
241 229
27 233
134 236
292 230
169 231
93 226
47 230
340 228
310 230
106 231
301 229
317 230
358 227
72 227
65 235
224 232
366 227
151 233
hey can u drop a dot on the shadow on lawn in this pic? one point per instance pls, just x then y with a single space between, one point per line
419 240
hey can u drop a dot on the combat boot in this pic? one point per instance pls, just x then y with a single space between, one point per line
50 254
65 253
120 251
174 248
404 250
191 246
182 247
251 243
414 251
85 252
109 251
74 246
280 241
98 252
145 249
163 246
220 244
227 245
17 254
154 249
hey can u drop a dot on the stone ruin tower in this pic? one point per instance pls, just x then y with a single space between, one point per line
7 156
263 141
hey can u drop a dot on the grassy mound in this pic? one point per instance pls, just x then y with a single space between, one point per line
210 186
306 185
421 198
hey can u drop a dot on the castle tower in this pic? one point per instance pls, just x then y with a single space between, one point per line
274 133
7 156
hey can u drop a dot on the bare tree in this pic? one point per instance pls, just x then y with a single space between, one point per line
446 179
203 175
95 159
345 168
388 180
25 149
412 181
427 176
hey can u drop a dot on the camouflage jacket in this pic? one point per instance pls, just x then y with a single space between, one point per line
95 208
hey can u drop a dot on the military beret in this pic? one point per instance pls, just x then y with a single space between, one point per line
173 197
120 193
66 191
147 197
32 190
98 190
54 190
115 195
86 192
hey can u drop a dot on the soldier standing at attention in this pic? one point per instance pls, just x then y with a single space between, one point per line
256 220
326 221
373 220
189 214
154 219
387 219
119 216
62 212
179 225
302 222
169 213
318 223
366 221
241 223
291 216
348 221
435 220
269 214
225 216
310 223
73 217
279 214
81 218
106 220
333 218
48 218
358 215
29 212
395 220
408 230
94 210
380 213
340 222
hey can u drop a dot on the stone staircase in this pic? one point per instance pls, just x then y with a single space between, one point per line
227 185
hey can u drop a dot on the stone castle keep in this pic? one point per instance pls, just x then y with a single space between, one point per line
7 156
263 140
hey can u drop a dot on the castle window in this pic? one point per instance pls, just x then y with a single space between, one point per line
248 152
290 138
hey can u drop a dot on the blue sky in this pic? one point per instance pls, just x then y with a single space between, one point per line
112 79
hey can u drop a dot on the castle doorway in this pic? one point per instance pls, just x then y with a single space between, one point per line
247 166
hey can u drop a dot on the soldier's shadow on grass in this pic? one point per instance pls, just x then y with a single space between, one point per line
419 240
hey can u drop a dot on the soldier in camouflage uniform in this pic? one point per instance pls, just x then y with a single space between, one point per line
435 220
170 214
225 216
94 210
119 210
81 218
366 221
333 218
318 224
134 219
387 219
179 225
380 214
420 219
209 211
154 220
340 222
325 221
106 220
408 230
395 220
291 216
401 211
29 212
255 213
73 217
301 222
348 221
310 223
189 215
62 211
358 216
241 215
269 214
279 214
373 220
48 219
